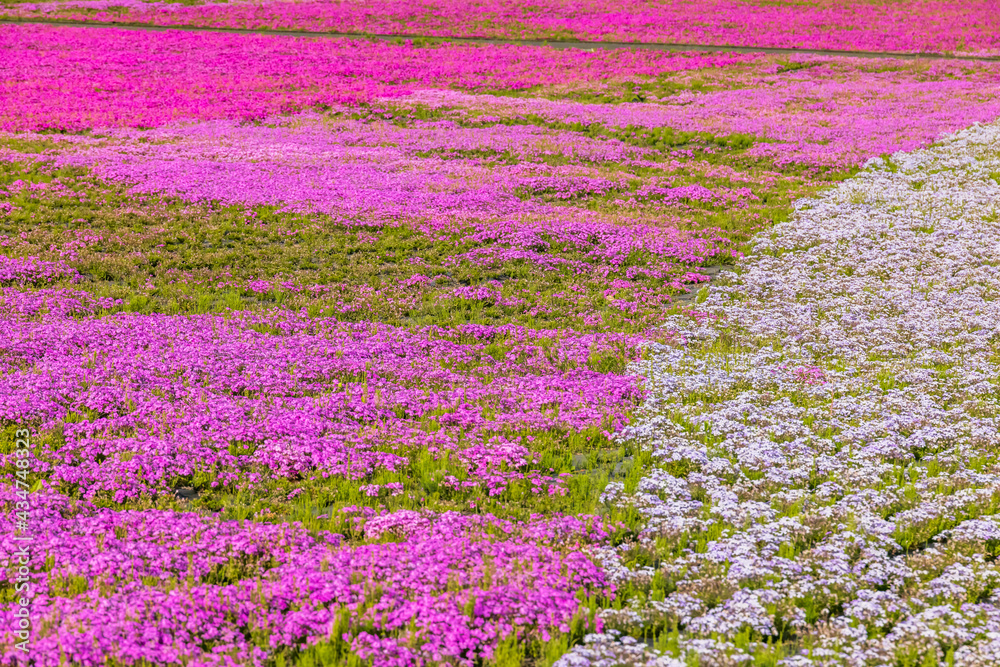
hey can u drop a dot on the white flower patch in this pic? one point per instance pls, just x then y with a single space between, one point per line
826 442
613 650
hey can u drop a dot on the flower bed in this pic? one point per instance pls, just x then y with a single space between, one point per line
337 352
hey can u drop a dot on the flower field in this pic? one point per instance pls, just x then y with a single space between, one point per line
329 351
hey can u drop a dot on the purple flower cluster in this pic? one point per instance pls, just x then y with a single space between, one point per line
824 112
166 587
143 404
361 172
23 270
66 79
